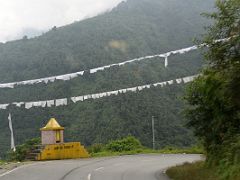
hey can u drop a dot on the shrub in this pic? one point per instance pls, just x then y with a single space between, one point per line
187 171
95 148
22 150
126 144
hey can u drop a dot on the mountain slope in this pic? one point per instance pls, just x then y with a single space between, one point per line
133 29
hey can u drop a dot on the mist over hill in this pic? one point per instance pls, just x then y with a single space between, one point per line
134 28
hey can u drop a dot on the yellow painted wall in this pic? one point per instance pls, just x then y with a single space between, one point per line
63 151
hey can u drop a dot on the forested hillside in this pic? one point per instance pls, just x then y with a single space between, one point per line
135 28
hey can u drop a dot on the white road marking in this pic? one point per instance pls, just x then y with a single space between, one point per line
89 176
8 172
98 169
22 166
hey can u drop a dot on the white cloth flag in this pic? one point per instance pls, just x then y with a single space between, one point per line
104 94
158 84
134 89
170 82
87 97
50 103
76 99
140 88
18 104
115 92
7 85
61 102
4 106
11 129
43 103
37 104
73 99
166 61
96 69
28 105
122 90
186 79
179 81
64 77
80 73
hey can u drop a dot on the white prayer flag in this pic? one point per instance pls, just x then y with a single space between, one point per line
76 99
166 61
28 105
11 129
140 88
86 97
4 106
50 103
66 77
80 73
170 82
18 104
43 103
73 99
37 104
61 102
179 80
7 85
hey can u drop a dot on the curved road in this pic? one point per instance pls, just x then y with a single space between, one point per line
134 167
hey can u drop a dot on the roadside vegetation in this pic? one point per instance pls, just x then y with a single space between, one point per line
214 100
22 150
198 170
2 162
126 146
130 145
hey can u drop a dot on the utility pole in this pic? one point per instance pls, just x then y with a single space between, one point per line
153 133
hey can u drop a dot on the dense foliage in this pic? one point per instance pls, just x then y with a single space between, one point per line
214 97
126 144
133 29
22 150
131 145
187 171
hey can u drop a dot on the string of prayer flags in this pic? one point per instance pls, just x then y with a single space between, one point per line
64 101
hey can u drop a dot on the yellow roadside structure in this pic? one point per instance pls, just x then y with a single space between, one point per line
53 146
72 150
52 133
52 125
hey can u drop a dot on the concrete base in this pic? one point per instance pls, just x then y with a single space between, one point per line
71 150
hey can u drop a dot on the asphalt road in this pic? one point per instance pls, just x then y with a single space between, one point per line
134 167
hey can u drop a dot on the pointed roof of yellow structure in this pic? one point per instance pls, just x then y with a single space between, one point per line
52 125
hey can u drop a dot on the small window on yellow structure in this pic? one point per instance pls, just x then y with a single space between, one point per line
58 137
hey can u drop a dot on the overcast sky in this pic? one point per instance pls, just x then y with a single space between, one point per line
31 17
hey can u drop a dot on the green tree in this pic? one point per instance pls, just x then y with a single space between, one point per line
214 99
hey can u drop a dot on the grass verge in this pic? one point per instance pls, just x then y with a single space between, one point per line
190 171
1 162
192 150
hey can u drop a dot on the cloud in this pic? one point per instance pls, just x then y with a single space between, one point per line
17 16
